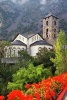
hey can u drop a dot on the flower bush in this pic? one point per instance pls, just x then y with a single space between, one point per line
48 89
2 97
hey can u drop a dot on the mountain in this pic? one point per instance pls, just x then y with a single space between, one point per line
26 16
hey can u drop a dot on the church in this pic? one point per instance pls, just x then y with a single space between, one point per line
33 43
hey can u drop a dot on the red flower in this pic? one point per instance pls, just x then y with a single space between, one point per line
2 97
30 97
62 87
37 96
27 86
15 94
48 96
46 89
52 93
35 85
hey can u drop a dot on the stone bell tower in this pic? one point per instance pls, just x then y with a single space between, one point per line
50 28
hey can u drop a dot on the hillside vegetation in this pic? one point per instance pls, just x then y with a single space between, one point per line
28 17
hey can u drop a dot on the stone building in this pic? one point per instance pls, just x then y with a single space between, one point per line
32 44
50 28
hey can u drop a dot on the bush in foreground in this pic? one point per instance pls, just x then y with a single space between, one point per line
48 89
28 75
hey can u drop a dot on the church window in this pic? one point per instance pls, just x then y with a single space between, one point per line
54 30
54 22
54 35
47 30
10 51
5 51
18 48
47 33
46 22
14 51
18 52
49 48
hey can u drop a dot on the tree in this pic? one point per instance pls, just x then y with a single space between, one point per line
43 57
28 75
6 73
60 55
24 59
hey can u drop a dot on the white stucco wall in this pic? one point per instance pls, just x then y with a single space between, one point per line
34 39
12 51
35 49
21 38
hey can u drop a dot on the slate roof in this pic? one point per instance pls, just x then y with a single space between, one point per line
41 42
49 15
18 42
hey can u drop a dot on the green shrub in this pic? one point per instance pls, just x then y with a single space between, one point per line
28 75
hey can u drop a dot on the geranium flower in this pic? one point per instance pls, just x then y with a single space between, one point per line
15 94
2 97
27 86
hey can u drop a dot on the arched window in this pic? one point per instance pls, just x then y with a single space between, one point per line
54 35
55 30
5 52
47 33
54 22
46 22
5 49
18 48
49 48
10 51
14 51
